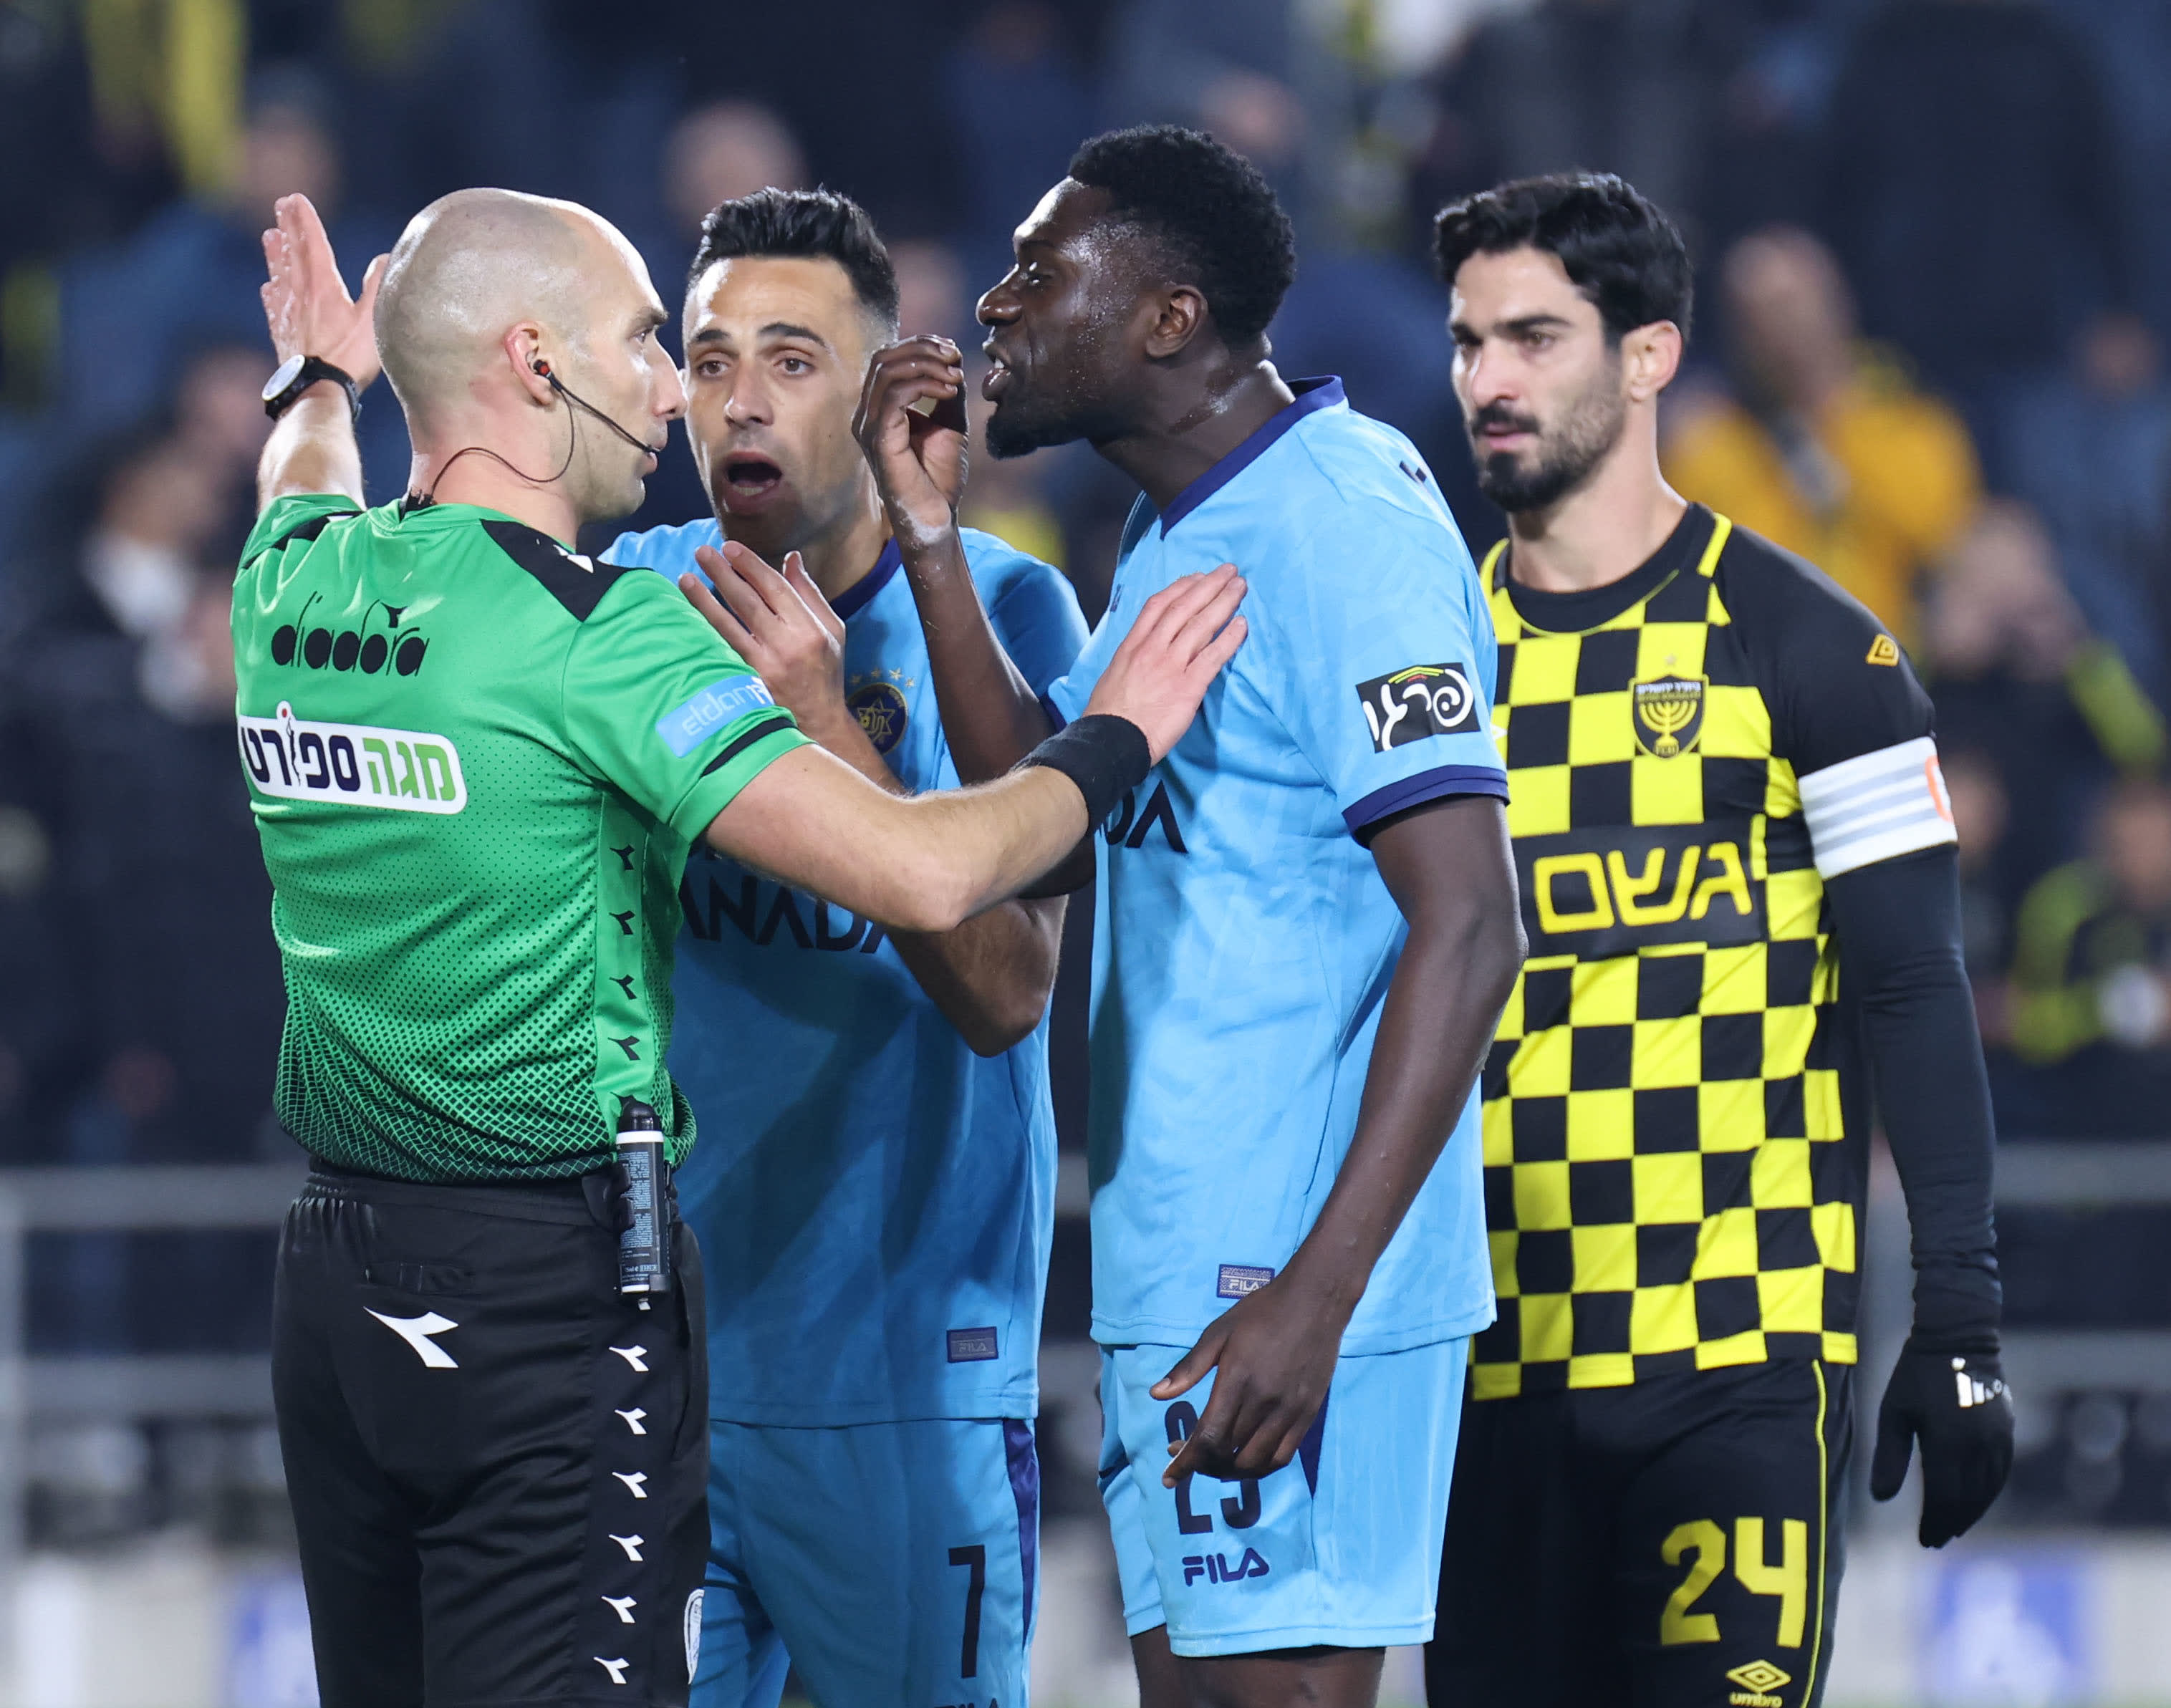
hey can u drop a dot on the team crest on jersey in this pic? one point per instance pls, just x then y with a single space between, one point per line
880 710
1669 713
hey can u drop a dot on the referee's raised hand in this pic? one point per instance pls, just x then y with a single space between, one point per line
306 303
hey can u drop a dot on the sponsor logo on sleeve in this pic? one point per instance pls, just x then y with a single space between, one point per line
1417 702
1241 1280
972 1346
684 728
353 765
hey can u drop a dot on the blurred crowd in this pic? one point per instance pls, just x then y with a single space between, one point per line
1936 285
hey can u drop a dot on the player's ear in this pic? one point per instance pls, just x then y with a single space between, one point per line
1179 311
1650 357
522 344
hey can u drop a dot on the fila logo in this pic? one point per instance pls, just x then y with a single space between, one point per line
1215 1568
634 1356
616 1668
1973 1390
632 1544
633 1479
633 1420
1882 651
623 1606
417 1330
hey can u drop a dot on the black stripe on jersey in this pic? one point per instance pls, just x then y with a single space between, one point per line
305 530
767 723
579 590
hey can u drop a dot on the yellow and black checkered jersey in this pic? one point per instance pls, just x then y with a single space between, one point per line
1675 1125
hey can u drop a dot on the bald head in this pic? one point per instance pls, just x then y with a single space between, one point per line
475 263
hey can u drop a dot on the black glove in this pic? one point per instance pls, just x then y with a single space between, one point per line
1957 1405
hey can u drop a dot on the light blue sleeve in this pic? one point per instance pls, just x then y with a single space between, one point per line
669 551
1383 662
1035 618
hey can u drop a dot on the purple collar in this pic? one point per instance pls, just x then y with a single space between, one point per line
860 594
1311 395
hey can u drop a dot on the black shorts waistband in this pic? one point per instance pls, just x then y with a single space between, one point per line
574 1201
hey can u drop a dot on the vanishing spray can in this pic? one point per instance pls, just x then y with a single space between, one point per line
644 1248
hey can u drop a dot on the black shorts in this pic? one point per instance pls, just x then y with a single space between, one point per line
1670 1545
498 1465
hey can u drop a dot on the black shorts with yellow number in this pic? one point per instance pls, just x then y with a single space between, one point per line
1673 1544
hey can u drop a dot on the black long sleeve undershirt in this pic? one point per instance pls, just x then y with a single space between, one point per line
1898 923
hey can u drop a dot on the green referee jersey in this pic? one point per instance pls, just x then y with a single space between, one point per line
477 761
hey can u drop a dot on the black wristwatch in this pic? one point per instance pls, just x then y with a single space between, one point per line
296 375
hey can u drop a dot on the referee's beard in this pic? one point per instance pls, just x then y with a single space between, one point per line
1565 454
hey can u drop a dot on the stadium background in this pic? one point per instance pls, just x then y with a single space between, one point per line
1934 241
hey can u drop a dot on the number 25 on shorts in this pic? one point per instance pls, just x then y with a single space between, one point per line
1789 1579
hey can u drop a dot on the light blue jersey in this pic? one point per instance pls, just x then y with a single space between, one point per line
874 1201
1245 938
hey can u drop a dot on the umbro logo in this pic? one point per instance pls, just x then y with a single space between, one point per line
417 1330
1758 1681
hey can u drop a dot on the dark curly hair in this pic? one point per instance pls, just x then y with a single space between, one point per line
809 223
1617 248
1210 208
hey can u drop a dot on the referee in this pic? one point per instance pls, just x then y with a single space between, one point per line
1738 880
477 761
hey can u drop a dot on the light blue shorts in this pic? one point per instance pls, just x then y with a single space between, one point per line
894 1563
1340 1546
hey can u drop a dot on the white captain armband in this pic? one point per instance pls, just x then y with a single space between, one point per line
1877 807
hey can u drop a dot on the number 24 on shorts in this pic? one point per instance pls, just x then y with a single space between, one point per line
1788 1580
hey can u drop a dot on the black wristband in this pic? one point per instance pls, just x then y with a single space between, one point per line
1104 755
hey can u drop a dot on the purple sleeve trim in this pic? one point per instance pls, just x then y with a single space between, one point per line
1426 786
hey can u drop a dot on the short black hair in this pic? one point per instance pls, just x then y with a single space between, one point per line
806 223
1208 205
1616 246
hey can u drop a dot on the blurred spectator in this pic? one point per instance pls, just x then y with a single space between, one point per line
719 152
2018 675
1021 104
1824 448
2092 964
1975 193
2090 448
191 273
1624 86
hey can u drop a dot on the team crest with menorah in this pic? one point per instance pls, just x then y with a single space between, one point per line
1669 713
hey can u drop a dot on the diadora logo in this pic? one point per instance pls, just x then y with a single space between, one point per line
1128 827
715 892
353 765
1602 893
684 728
1215 1568
370 646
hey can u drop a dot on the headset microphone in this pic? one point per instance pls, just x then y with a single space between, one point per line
542 367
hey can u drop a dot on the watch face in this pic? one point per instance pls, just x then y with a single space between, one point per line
282 376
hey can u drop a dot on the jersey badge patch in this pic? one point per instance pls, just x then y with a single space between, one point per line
1417 702
1240 1280
355 764
1669 713
880 709
1883 650
971 1346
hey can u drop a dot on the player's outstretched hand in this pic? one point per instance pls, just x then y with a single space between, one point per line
1271 1356
782 626
918 456
305 301
1960 1411
1183 636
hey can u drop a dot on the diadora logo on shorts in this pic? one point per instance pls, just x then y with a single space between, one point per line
354 765
1415 703
371 645
1758 1680
684 728
1215 1568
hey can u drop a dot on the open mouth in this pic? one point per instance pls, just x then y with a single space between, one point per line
995 381
748 478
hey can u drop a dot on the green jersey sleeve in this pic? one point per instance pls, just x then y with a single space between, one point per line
301 515
659 707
